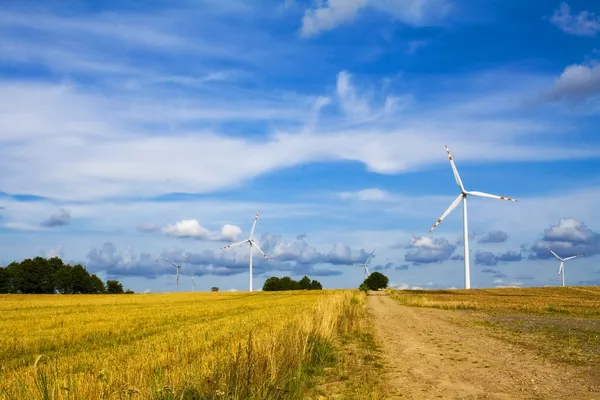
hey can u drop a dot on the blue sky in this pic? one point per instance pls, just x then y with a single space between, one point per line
134 132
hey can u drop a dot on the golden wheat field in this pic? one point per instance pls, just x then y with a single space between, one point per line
168 346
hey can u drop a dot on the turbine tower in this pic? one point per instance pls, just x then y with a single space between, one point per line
463 196
178 266
366 264
193 283
252 244
561 269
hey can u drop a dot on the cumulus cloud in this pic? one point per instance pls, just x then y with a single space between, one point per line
576 83
585 23
493 237
491 259
426 250
329 14
191 228
298 258
58 251
502 283
381 267
495 273
60 218
568 238
404 286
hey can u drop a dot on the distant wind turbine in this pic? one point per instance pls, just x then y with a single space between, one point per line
252 244
178 266
561 269
193 283
463 196
366 264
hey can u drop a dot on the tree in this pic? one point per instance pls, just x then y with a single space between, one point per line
363 287
304 283
114 287
315 285
97 284
50 276
129 291
376 281
286 283
5 281
214 289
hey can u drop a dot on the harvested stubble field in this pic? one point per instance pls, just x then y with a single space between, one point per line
559 324
170 346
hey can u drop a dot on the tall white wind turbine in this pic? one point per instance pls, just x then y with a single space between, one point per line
463 196
366 264
252 244
178 266
561 269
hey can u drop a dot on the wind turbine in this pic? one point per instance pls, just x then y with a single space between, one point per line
366 264
251 244
178 266
562 265
463 196
193 283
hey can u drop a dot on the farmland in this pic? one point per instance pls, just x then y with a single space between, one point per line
521 342
170 346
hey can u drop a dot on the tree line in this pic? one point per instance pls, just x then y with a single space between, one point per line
49 276
286 283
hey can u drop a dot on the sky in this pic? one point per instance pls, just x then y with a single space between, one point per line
137 131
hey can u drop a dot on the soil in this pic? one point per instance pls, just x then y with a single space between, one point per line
439 354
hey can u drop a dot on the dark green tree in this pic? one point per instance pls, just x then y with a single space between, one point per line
114 287
5 281
304 283
376 281
286 283
97 284
315 285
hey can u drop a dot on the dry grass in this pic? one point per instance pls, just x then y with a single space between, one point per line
358 372
580 301
171 346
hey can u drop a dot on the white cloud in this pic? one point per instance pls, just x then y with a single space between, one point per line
586 23
372 194
576 83
102 148
191 228
502 283
330 14
58 251
23 226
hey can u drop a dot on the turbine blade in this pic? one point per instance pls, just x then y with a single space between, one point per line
570 258
555 255
236 244
254 224
185 259
259 249
456 175
560 270
369 258
492 196
448 211
172 263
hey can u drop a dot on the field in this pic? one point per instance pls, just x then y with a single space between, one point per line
559 324
171 346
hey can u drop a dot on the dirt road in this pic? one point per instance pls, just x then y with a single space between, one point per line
429 354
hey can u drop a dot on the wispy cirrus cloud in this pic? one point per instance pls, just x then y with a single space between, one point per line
585 23
330 14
